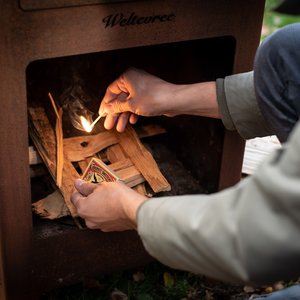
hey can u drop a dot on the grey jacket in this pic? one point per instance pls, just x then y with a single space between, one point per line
246 233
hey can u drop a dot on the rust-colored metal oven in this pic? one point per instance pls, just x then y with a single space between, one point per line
180 41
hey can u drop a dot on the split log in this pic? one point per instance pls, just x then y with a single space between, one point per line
127 172
80 147
43 138
140 188
59 142
132 177
121 164
83 164
142 159
115 153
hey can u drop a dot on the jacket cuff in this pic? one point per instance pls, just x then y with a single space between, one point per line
223 108
238 106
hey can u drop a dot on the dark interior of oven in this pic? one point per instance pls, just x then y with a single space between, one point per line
189 153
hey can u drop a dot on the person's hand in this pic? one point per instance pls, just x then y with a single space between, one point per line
138 93
135 93
109 206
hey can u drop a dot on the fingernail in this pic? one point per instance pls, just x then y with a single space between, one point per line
78 183
74 200
101 112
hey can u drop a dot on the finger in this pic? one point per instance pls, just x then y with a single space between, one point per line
84 188
122 121
117 103
91 225
76 198
133 118
104 109
113 90
110 121
116 89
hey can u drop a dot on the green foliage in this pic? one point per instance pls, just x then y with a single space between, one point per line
153 286
274 20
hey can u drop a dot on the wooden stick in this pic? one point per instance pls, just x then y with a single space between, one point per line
59 149
53 105
94 123
59 142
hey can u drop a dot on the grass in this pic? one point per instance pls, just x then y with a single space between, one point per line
153 282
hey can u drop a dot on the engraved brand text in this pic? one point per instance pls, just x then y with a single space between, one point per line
133 19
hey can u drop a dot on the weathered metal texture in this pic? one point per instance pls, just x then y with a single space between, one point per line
30 35
80 254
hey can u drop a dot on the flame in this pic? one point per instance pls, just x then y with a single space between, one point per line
86 124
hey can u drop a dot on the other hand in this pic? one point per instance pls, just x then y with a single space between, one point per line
109 206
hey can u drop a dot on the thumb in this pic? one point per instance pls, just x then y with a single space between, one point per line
84 188
114 105
119 106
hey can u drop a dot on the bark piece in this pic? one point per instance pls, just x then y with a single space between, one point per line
52 207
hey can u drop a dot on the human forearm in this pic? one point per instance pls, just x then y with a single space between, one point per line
193 233
198 99
236 234
130 207
138 93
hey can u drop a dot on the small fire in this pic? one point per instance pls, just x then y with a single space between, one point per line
88 127
86 124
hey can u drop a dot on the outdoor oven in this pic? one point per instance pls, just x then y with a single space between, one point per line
42 44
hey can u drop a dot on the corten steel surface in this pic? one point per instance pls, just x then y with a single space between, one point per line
31 261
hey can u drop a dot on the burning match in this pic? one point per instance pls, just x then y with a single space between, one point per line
88 127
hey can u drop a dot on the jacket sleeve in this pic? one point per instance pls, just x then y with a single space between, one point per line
246 233
239 108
